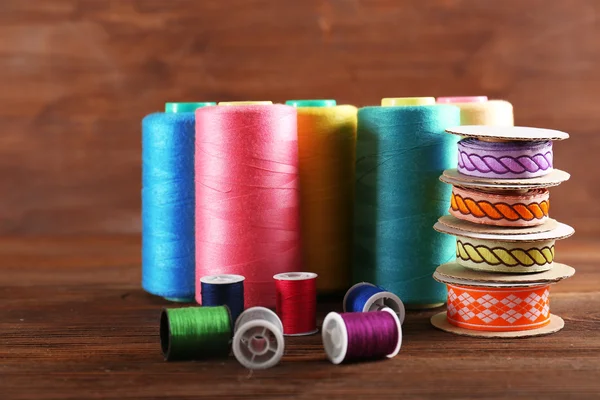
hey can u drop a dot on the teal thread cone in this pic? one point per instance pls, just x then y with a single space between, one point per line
195 332
400 154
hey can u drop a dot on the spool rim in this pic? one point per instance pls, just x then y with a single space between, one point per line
165 334
399 344
179 107
257 310
246 103
295 276
312 103
222 279
407 101
461 99
243 339
333 335
384 300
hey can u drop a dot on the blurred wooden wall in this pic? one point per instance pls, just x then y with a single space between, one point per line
76 77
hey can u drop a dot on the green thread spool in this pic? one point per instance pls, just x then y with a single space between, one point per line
195 332
400 154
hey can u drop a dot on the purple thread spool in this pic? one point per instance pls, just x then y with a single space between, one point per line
360 336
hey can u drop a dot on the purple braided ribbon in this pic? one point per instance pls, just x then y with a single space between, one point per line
508 160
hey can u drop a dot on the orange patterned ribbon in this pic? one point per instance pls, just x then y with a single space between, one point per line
480 207
498 309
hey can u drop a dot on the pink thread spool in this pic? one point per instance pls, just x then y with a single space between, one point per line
462 99
247 198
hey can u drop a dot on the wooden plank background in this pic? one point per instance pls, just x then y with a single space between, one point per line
76 77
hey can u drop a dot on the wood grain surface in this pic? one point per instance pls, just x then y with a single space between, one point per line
74 324
77 76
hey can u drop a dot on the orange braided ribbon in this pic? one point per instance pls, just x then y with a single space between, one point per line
502 210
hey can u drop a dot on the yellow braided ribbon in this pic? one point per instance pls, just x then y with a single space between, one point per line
505 257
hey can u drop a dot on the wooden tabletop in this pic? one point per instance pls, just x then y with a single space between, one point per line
74 324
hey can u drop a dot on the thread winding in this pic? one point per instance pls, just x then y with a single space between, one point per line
498 309
400 153
168 205
195 332
504 159
327 145
505 256
247 211
296 294
530 209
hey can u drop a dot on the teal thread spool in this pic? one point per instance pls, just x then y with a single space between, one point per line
195 332
400 154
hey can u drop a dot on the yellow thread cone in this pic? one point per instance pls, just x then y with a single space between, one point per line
407 101
326 144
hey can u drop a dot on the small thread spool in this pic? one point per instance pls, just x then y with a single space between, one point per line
478 110
258 340
297 302
361 336
366 297
407 101
224 290
245 103
195 332
168 202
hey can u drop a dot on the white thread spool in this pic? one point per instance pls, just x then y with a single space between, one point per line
335 336
258 340
378 301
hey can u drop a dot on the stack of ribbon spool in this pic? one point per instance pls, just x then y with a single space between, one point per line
499 284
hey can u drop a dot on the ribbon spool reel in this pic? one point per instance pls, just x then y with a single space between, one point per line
505 158
224 290
168 202
195 332
297 302
258 341
498 305
366 297
508 250
361 335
